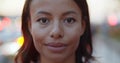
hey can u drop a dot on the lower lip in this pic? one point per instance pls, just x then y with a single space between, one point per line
56 49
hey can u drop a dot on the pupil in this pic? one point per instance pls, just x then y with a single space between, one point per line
44 20
69 20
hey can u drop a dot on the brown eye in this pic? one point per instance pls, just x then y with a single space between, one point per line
69 20
43 21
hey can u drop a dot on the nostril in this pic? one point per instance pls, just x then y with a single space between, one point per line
56 32
56 36
52 36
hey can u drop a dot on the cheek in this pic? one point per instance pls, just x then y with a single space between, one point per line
74 41
37 39
73 37
39 36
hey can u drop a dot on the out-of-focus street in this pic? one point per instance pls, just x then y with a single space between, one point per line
106 49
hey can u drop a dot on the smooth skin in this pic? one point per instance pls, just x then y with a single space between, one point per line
56 27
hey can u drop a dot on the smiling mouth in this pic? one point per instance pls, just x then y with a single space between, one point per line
56 47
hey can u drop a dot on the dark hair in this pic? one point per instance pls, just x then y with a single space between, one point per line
28 53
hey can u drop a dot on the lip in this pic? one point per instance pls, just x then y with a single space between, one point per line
56 47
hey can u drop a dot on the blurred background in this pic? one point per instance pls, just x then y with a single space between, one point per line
105 24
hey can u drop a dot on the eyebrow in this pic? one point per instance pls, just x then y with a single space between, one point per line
66 13
69 12
43 12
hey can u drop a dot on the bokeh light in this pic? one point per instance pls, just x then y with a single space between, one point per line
20 40
112 20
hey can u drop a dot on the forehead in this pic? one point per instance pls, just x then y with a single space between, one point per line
54 4
50 1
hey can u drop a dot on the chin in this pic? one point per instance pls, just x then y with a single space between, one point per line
57 57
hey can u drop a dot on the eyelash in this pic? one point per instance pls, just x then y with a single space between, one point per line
43 20
69 20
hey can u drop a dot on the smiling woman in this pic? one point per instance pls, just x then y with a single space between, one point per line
55 31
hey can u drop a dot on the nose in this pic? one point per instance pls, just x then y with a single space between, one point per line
57 31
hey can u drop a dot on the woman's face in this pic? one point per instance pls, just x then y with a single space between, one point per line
56 27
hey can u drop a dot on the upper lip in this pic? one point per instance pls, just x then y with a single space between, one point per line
56 44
